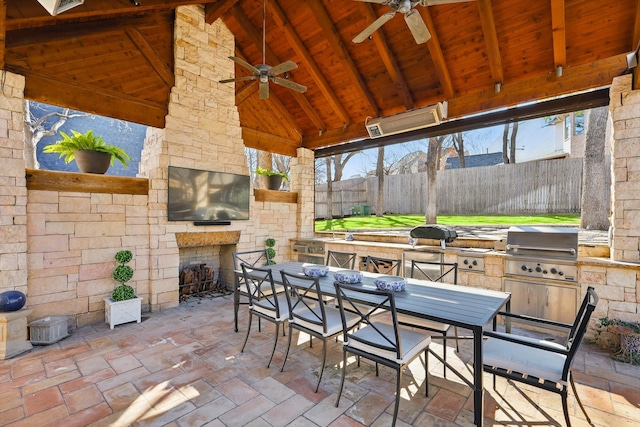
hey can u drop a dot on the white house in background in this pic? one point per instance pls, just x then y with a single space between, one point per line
546 138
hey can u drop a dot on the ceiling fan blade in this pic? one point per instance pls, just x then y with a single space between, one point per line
289 84
283 68
375 1
238 79
437 2
373 27
417 26
244 64
264 89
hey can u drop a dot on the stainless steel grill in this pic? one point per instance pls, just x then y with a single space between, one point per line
541 272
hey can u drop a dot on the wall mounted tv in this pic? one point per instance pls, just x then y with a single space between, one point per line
198 195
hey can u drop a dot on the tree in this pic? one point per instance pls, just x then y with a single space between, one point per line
433 160
596 176
35 128
329 188
380 175
509 143
457 140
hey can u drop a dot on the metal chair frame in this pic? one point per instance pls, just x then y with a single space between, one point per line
341 259
256 258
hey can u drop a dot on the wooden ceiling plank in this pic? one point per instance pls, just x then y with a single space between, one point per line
245 92
635 42
558 32
309 63
213 11
263 141
433 44
339 49
388 59
3 31
491 40
159 66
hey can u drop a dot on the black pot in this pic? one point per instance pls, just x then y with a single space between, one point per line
274 182
89 161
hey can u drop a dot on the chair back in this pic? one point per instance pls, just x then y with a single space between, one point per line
304 298
261 288
367 304
383 265
341 259
579 327
256 258
435 271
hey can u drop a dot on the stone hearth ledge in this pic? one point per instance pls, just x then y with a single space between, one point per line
207 238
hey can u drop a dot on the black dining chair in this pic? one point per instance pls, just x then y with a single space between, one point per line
387 344
388 266
308 314
255 258
538 362
345 260
440 272
264 301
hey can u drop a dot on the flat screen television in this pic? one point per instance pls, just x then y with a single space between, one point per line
199 195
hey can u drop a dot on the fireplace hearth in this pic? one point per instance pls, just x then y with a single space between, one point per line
199 279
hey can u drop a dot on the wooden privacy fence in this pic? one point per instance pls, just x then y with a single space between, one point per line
549 186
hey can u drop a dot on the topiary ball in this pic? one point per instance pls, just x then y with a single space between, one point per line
122 273
123 257
123 292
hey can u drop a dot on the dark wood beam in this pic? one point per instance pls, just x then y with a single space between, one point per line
213 11
341 52
437 56
3 31
558 32
311 66
158 65
388 59
491 40
635 44
583 101
271 143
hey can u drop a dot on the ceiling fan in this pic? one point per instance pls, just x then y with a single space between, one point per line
265 73
411 16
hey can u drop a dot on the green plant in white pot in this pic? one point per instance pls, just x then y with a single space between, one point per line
90 152
124 305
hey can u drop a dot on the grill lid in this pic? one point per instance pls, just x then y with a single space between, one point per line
543 241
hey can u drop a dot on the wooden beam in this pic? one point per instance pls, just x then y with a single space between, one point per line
635 44
213 11
331 34
275 196
84 182
491 39
245 92
158 65
558 32
91 100
313 69
437 56
3 31
388 59
271 143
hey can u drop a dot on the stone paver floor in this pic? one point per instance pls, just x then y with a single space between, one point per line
183 367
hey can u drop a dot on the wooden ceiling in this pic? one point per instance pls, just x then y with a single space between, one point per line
113 58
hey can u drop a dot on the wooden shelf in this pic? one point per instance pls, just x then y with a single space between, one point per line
85 182
275 196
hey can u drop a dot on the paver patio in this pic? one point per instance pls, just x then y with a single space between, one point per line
183 367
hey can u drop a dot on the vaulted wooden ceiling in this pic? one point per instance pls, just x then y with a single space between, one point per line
114 58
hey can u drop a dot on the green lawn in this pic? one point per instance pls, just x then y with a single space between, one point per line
410 221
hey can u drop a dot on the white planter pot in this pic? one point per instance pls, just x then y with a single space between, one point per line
118 312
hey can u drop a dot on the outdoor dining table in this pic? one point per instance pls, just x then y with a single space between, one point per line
462 306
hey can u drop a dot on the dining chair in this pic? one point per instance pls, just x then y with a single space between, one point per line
264 301
440 272
307 313
388 266
255 258
341 259
539 362
388 344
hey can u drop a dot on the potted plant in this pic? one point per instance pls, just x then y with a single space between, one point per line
274 178
620 336
271 253
123 306
90 152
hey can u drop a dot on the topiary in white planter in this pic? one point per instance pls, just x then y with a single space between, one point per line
124 305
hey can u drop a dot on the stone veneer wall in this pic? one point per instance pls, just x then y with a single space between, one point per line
13 190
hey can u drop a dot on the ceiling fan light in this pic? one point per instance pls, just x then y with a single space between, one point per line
55 7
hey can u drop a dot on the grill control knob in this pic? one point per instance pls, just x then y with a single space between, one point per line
538 269
475 263
560 273
554 270
466 261
524 267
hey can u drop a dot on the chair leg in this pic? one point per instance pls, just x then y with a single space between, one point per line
444 353
426 373
397 405
275 343
288 347
455 331
344 373
565 406
248 330
575 393
236 306
324 360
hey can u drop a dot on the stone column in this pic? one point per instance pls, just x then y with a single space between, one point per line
13 186
303 182
625 159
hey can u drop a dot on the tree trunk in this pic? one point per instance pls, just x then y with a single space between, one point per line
512 148
458 143
380 175
505 144
329 189
433 154
596 175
